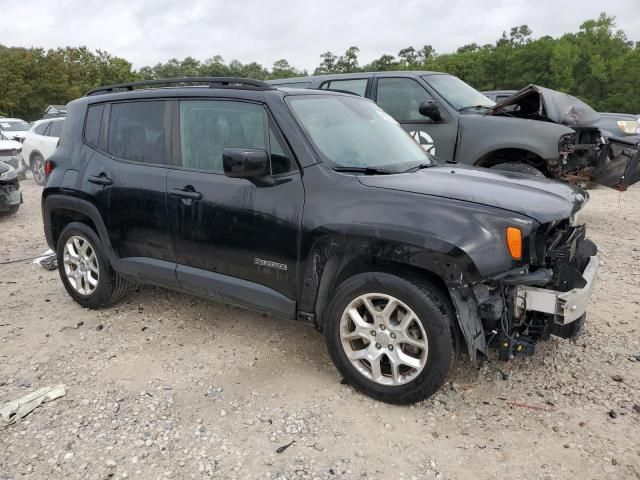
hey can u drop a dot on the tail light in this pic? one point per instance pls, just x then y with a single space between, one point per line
48 168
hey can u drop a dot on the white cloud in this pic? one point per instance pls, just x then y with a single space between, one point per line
149 31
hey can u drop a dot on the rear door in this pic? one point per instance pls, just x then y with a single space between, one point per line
618 165
401 97
126 178
234 238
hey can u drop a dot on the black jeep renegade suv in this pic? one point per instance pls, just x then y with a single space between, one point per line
318 206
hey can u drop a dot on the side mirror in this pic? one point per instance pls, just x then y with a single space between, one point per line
245 163
430 109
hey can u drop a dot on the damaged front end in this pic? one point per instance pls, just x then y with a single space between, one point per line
589 153
10 194
516 310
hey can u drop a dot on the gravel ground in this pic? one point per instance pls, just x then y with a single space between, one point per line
165 385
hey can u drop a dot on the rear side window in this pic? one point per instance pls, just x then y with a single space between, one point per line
93 124
137 131
56 129
357 86
40 129
207 127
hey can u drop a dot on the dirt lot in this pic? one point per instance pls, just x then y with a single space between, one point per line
170 386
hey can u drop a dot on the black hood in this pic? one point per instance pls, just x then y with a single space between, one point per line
539 198
550 104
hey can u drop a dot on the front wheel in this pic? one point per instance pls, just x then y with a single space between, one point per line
391 337
13 209
85 270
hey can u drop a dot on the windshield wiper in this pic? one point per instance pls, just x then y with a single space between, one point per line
420 166
473 107
365 170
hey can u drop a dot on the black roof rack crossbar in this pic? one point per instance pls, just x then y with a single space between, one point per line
213 82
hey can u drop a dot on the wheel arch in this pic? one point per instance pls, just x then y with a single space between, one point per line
58 211
32 155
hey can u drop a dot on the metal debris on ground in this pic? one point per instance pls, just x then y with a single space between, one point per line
48 260
23 406
284 447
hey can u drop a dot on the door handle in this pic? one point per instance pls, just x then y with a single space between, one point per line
101 179
183 193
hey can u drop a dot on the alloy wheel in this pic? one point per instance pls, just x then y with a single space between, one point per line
38 171
384 339
81 265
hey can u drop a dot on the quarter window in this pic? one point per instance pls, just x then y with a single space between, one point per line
137 131
40 129
357 86
93 124
207 127
401 98
56 129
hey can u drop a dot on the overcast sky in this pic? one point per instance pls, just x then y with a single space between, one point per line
149 31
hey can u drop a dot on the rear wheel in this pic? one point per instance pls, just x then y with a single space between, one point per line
37 168
390 337
85 270
519 168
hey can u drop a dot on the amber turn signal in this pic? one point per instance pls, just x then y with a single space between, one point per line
514 242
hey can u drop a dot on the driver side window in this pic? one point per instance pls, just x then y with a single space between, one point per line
401 98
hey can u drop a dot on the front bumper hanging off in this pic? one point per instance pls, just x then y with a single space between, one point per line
566 307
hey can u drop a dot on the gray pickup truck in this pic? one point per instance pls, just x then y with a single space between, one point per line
540 132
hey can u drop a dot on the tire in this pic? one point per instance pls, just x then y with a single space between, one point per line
37 169
431 325
109 288
13 209
571 331
519 168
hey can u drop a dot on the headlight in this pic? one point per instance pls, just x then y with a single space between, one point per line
8 175
567 143
629 126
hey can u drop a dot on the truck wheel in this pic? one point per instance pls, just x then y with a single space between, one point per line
520 168
390 337
85 270
37 168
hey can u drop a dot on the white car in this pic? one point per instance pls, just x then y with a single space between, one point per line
13 128
39 143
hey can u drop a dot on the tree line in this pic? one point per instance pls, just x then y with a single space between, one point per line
598 64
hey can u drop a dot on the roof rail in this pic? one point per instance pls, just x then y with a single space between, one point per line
213 82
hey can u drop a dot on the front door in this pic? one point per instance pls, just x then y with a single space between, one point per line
401 97
234 238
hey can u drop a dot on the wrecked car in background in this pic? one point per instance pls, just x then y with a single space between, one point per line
11 154
612 124
456 123
588 150
10 194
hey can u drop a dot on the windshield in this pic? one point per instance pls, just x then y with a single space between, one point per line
352 132
14 126
457 93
